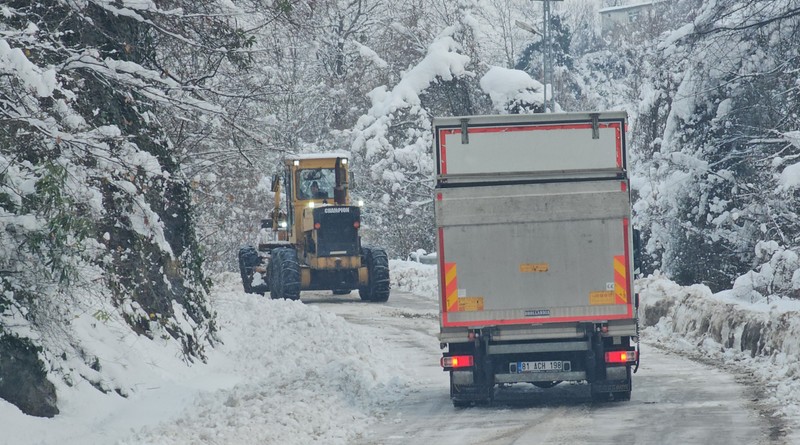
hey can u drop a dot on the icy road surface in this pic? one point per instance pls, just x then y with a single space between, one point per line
675 400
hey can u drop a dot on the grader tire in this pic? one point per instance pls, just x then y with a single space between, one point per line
377 288
248 261
285 274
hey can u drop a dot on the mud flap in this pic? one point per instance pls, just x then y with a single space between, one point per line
617 384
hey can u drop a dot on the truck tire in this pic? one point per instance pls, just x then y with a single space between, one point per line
377 262
461 403
248 261
285 274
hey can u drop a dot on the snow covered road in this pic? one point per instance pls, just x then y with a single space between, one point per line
675 400
338 371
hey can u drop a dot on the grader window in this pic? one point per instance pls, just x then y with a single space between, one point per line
316 183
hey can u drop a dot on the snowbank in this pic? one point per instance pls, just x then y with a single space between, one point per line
306 376
284 373
761 338
413 277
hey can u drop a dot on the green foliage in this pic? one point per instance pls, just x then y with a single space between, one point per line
531 58
65 229
284 6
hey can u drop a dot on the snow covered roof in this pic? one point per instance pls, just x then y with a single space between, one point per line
325 155
624 7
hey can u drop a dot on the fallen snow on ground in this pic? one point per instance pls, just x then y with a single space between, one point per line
413 277
289 373
284 373
760 338
307 377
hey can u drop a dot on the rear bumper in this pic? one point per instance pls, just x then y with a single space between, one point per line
330 279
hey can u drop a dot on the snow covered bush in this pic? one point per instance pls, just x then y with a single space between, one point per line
96 218
720 178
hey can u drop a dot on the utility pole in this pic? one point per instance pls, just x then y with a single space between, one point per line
547 55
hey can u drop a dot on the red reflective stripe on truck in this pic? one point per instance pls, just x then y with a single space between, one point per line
618 134
473 323
443 133
625 232
451 286
620 280
442 285
443 149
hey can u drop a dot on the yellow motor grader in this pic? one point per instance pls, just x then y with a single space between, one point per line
314 244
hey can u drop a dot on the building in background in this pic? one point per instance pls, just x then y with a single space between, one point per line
619 17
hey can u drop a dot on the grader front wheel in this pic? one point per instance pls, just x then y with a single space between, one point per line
377 288
284 274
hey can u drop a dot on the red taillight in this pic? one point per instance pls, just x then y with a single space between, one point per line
317 225
356 224
620 356
457 361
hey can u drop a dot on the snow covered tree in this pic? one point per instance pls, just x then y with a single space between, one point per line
721 179
392 144
97 215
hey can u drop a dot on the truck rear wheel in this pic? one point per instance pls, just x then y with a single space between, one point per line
285 274
377 262
248 261
462 403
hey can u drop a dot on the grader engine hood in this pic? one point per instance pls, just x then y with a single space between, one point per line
335 229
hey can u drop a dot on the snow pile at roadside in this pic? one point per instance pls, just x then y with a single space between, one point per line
284 373
307 377
762 338
413 277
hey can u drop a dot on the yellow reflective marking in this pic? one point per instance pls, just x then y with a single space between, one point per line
620 292
450 275
470 304
534 267
619 267
601 297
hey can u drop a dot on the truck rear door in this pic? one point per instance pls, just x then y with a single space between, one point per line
532 215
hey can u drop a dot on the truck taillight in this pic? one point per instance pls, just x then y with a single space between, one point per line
317 225
621 356
457 361
356 224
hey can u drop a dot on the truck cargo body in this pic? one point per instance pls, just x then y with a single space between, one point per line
535 252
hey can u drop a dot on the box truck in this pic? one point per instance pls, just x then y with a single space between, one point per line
535 253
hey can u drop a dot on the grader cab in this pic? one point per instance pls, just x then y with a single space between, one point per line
314 243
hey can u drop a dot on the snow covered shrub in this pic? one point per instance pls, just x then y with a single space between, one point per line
778 274
715 186
95 213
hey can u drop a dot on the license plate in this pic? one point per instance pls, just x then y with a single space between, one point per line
546 366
